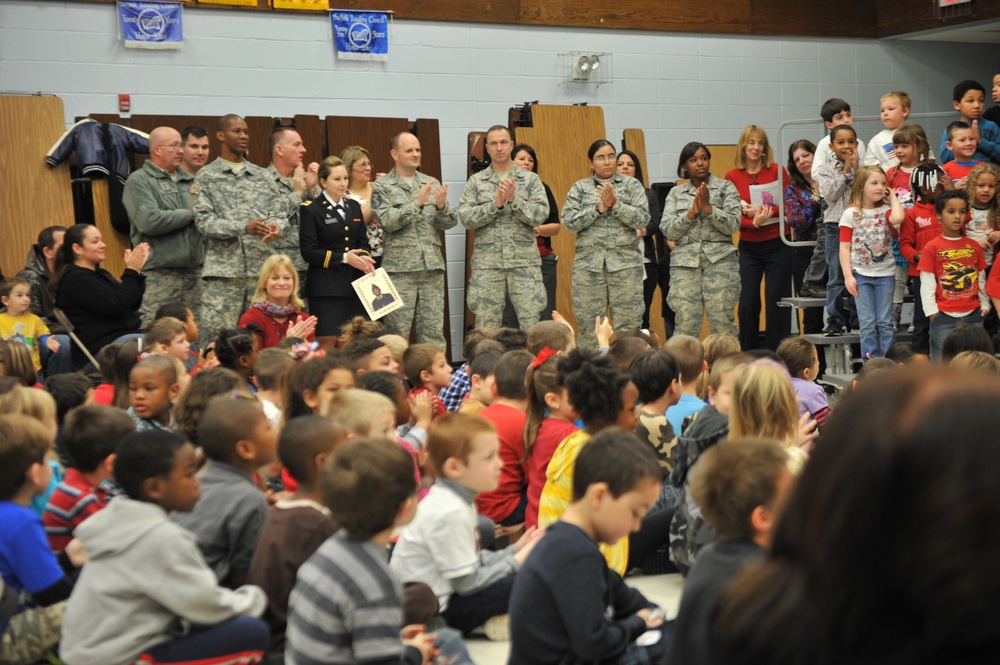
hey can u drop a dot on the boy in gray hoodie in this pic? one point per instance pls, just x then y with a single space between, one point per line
146 591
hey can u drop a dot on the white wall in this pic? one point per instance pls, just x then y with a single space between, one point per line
677 87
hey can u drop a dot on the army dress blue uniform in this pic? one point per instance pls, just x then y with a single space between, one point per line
325 237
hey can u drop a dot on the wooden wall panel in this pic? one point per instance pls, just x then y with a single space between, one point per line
850 18
429 133
313 133
560 137
899 17
373 134
34 195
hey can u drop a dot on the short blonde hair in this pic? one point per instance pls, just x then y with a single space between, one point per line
902 97
764 405
355 409
749 132
163 331
271 266
976 360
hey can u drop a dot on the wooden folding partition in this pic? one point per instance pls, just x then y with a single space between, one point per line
560 136
35 196
373 134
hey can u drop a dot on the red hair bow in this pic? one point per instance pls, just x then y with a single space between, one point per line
542 356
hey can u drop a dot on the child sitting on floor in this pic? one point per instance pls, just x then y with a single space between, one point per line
27 565
427 370
440 546
296 527
656 375
347 606
237 439
742 488
802 360
152 388
159 602
91 435
567 606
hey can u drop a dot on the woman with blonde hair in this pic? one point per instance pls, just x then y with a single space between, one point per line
763 254
359 188
276 310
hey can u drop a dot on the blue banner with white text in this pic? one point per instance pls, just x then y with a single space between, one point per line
360 35
151 25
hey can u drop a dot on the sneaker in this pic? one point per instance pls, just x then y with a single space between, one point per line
497 629
811 290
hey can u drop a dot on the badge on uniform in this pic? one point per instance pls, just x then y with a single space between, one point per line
194 188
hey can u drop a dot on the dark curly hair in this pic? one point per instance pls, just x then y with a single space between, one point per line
594 386
232 344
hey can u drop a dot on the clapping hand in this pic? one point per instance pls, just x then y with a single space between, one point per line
135 258
425 194
606 194
440 195
303 328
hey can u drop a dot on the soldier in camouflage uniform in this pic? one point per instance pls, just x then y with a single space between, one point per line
159 199
503 204
412 208
605 210
294 184
239 216
701 217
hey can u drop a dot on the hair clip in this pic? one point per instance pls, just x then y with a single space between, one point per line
304 351
542 356
146 354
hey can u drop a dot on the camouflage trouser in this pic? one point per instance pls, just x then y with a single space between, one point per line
166 285
31 633
223 301
712 288
422 294
595 292
488 290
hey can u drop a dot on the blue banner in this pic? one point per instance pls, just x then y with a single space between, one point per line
360 35
152 25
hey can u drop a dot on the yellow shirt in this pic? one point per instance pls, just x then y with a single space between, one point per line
558 492
27 329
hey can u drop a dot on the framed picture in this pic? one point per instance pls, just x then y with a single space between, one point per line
378 294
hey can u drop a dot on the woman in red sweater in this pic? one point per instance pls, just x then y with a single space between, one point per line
276 311
763 254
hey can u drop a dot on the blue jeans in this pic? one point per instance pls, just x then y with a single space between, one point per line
61 361
466 613
875 314
944 323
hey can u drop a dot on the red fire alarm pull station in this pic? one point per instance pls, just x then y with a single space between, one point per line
124 103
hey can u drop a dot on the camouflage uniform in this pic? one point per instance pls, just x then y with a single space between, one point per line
412 255
227 201
159 208
288 241
505 259
607 269
704 266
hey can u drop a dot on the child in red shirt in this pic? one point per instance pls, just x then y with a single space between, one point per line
550 419
952 274
920 226
427 370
